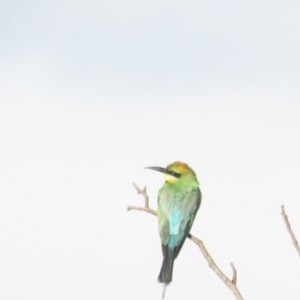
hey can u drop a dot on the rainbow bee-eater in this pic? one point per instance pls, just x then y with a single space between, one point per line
178 201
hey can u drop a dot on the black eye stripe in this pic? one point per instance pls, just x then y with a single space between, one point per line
175 174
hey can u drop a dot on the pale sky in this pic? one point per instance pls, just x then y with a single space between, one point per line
91 92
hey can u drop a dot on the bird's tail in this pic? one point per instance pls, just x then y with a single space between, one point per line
166 271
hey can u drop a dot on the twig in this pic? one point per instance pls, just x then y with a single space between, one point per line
142 192
231 284
146 207
234 274
289 229
148 210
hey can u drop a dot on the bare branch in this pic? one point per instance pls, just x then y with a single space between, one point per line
234 274
231 284
146 209
289 229
142 192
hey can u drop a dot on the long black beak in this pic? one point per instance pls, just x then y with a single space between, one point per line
165 171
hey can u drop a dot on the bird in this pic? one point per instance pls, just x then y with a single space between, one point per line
178 201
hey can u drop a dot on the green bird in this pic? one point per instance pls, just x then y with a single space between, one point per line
178 201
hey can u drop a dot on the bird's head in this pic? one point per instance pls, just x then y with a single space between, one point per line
175 172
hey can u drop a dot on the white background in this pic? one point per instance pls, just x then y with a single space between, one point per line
91 92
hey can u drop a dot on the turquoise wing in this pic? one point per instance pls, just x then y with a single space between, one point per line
176 214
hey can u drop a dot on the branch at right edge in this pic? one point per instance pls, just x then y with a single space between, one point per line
289 229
